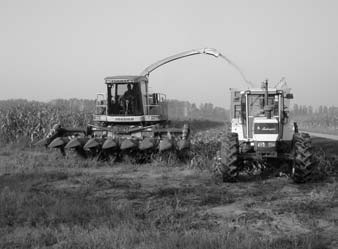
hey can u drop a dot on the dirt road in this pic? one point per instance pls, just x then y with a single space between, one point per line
322 135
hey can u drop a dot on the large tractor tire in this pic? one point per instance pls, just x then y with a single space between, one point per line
303 164
228 165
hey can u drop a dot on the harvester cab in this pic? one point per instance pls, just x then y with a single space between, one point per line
262 135
128 101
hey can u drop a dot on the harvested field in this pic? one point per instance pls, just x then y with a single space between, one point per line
50 201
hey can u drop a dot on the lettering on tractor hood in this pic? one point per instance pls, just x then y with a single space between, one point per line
266 128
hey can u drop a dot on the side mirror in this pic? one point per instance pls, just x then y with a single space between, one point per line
289 96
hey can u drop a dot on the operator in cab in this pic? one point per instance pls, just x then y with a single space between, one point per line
129 94
129 100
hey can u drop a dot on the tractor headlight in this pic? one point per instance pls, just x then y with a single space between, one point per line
266 144
270 144
260 144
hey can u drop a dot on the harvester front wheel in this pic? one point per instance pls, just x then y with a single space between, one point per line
303 163
228 163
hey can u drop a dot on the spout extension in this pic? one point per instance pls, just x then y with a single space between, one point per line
212 51
207 51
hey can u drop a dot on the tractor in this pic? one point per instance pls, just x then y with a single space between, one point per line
261 135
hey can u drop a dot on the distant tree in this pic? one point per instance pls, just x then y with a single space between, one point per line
183 110
320 109
295 109
325 109
331 111
305 111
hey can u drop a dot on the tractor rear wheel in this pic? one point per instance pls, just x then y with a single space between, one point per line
228 164
303 163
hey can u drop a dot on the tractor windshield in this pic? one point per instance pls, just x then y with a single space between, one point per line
126 99
256 104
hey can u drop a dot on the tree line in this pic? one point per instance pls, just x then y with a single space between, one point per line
184 110
322 119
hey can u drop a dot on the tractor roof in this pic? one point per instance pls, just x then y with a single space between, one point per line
262 91
125 79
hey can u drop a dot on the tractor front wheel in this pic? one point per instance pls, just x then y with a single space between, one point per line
228 163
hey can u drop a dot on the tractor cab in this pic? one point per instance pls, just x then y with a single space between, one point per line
260 116
128 101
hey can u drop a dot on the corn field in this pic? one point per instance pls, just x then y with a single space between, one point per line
32 119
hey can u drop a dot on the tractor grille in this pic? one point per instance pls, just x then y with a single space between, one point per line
266 128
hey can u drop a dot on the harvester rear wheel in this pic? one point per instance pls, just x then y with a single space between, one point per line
228 164
303 164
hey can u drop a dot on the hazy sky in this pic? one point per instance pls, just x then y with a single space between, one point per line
64 48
